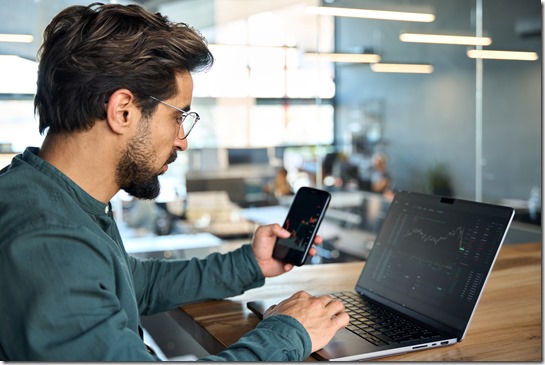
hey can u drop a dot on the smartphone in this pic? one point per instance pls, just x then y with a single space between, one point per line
303 220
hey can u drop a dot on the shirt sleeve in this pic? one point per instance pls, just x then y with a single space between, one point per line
276 338
166 284
66 307
170 283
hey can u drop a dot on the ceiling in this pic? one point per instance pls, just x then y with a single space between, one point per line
32 16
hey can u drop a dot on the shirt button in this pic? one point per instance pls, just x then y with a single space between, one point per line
106 209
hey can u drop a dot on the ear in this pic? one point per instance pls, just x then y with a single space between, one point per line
121 111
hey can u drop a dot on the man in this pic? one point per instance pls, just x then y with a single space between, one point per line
380 178
114 94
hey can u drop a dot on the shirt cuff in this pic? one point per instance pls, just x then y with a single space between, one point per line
289 336
276 338
253 266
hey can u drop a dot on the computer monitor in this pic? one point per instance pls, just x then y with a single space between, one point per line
247 156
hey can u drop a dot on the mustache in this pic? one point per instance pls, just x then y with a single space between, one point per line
172 158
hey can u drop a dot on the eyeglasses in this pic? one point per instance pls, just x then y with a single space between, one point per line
187 119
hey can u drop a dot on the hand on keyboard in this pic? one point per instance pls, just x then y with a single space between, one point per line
321 316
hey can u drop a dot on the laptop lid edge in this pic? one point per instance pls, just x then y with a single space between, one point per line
488 275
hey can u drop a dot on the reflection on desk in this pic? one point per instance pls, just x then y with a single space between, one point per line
506 325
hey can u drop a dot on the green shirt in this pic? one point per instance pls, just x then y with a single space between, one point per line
69 290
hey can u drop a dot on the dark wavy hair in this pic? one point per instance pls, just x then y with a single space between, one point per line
91 51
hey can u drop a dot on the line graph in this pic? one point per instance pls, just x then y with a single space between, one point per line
457 234
301 233
304 225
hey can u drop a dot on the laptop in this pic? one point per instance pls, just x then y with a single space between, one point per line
422 280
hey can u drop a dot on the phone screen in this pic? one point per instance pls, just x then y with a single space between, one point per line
303 220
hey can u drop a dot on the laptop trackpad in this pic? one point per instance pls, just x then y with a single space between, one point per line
345 343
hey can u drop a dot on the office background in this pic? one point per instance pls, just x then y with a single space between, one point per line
488 146
475 125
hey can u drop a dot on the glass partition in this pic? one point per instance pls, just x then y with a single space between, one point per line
462 126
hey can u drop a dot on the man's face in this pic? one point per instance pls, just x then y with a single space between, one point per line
136 171
154 146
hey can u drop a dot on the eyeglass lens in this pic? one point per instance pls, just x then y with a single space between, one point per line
187 125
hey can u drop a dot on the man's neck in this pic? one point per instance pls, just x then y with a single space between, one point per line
87 161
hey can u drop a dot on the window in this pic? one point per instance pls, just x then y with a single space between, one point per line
262 91
18 127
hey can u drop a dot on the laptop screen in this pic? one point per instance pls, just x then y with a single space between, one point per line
433 255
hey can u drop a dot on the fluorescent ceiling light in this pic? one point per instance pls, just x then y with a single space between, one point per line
372 14
502 55
445 39
18 38
402 68
247 46
345 57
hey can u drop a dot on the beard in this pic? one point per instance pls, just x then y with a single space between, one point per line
135 172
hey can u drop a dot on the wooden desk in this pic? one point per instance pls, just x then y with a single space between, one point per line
505 327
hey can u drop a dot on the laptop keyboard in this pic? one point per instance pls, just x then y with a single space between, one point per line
378 325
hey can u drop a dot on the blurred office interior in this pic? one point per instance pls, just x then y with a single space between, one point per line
301 95
276 100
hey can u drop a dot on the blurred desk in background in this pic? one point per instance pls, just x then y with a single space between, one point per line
170 246
243 184
340 243
362 209
214 212
343 199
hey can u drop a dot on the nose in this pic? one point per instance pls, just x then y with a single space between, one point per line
180 144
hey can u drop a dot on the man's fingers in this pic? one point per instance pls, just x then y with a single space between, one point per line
301 294
336 303
326 299
335 306
341 319
279 231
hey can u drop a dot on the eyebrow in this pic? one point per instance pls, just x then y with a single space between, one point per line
186 108
176 112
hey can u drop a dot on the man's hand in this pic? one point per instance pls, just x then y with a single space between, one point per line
263 245
321 316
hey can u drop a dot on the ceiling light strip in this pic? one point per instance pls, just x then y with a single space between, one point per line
248 46
372 14
345 57
402 68
502 55
445 39
16 38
